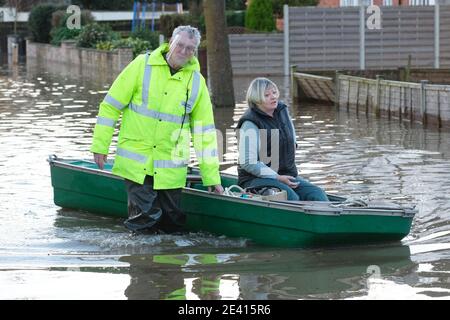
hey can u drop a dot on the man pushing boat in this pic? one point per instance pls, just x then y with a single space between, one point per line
163 99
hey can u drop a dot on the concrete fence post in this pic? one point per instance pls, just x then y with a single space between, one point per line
294 86
362 35
13 48
15 54
358 83
439 120
337 90
437 35
377 95
423 100
286 39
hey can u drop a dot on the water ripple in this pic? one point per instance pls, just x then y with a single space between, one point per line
52 111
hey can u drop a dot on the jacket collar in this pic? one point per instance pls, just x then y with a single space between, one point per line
157 59
280 107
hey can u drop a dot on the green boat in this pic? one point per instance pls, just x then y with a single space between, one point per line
79 184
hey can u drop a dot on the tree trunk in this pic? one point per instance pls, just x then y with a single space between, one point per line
220 74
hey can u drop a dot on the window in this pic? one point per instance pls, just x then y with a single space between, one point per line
354 3
421 2
387 2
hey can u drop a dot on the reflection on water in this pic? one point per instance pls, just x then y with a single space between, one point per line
49 252
284 274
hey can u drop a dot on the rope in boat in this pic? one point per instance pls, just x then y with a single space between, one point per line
230 193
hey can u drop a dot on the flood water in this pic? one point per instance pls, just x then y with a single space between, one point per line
47 252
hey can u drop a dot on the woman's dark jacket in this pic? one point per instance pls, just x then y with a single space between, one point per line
281 121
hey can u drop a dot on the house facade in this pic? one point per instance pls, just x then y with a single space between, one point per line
352 3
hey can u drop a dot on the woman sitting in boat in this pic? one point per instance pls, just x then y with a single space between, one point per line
267 145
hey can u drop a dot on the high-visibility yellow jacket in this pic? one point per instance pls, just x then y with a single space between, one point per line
160 114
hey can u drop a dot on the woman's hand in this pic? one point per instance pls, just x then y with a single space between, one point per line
288 180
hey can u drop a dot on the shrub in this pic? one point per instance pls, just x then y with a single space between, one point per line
94 33
259 16
60 34
168 22
60 31
137 45
105 45
278 5
147 35
40 22
59 18
235 4
235 18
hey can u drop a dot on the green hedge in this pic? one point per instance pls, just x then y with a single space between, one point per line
235 5
277 5
168 22
94 33
260 16
137 45
146 35
61 32
40 22
235 18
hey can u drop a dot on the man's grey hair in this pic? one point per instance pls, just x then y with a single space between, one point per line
191 31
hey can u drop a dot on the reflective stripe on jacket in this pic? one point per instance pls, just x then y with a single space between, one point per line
160 113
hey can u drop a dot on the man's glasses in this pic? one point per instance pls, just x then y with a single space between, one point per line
188 49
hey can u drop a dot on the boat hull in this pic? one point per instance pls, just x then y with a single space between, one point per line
79 185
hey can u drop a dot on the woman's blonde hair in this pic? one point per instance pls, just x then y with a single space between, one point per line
257 89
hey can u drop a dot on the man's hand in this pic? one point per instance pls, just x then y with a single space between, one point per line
100 160
288 180
217 189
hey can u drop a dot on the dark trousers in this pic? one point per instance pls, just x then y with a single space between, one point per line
153 210
305 191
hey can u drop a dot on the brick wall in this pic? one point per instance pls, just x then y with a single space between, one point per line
68 53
